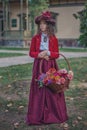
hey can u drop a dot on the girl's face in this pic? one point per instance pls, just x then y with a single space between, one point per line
43 26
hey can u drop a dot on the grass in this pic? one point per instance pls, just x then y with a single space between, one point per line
67 49
13 48
78 65
14 104
18 72
15 73
73 49
14 90
76 107
4 54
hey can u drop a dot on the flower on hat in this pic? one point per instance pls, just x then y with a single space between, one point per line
47 14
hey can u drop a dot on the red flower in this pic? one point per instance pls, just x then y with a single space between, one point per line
47 14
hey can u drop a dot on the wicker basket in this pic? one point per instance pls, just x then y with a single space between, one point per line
57 88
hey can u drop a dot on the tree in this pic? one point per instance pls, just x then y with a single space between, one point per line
83 26
36 7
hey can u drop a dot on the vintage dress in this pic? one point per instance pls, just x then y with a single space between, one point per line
44 106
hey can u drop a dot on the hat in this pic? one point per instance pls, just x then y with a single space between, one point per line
45 16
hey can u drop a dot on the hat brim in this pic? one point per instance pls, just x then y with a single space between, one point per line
48 20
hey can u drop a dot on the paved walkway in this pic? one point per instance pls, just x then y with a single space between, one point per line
27 59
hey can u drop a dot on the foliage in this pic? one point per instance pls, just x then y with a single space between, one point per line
36 7
83 26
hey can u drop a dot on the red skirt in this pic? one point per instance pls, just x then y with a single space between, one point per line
44 106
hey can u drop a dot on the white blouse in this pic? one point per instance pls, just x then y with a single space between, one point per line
44 44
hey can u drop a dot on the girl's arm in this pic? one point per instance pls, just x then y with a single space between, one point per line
55 50
33 53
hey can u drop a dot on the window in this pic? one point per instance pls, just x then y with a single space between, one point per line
14 22
54 16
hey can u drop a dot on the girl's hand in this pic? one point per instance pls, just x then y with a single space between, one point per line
42 54
46 58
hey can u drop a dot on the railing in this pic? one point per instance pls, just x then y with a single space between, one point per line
15 38
14 35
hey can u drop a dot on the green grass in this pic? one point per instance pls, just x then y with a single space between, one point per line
4 54
73 49
15 104
18 72
61 49
78 66
19 78
13 48
15 73
76 108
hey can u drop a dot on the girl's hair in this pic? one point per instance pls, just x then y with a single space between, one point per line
50 29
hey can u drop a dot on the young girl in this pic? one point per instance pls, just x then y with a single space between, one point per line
45 106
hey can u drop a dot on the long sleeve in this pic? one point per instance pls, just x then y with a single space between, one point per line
33 53
53 50
54 53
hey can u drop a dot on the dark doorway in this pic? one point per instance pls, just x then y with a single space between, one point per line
23 21
1 23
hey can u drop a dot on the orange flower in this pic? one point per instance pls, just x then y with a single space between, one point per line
52 77
51 71
57 78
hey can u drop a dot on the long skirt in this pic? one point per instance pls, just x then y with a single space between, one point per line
45 106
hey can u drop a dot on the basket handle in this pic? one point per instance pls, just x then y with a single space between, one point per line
60 55
41 62
66 61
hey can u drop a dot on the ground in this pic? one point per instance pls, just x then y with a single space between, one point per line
14 92
14 101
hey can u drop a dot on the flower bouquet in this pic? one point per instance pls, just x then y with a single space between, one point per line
56 80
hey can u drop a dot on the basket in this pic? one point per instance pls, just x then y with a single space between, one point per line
57 88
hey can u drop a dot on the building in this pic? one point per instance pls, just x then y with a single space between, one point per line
15 22
68 27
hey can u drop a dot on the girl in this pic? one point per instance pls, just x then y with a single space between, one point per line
44 106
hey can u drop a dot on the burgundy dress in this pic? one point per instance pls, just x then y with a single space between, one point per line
44 106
